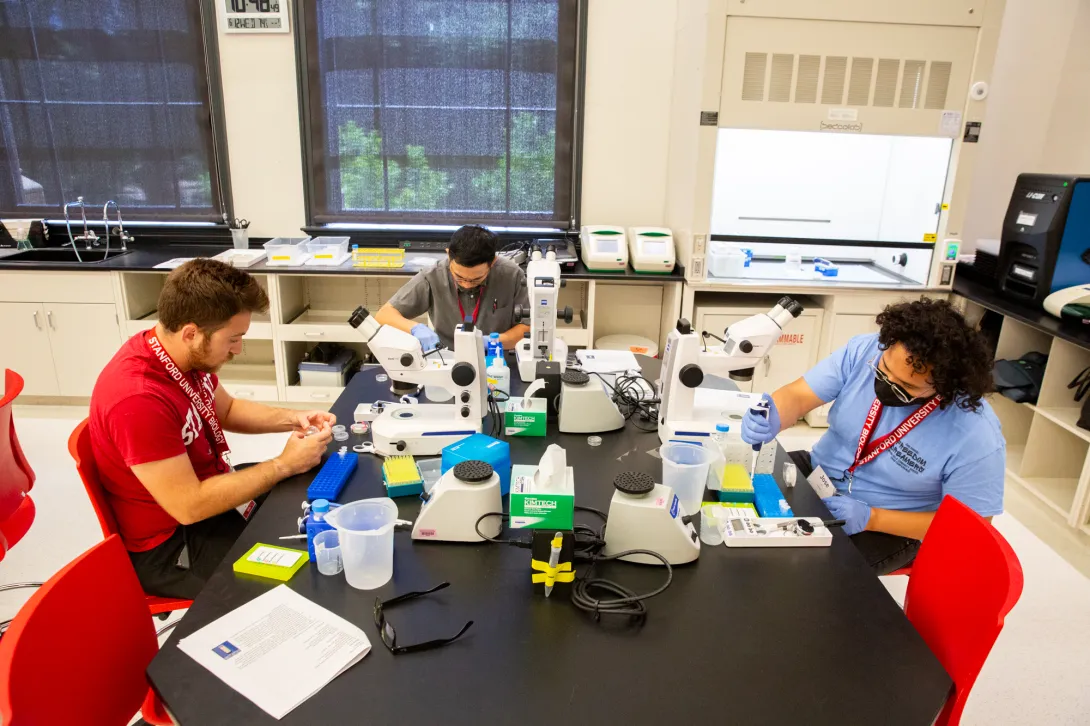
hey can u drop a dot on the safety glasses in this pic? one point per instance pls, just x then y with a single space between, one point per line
898 391
467 280
389 635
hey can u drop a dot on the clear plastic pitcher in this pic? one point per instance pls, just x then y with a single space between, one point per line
366 533
685 470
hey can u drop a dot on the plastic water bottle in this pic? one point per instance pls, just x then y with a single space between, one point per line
316 523
499 375
720 437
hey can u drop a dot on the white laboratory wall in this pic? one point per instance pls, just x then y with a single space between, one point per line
1032 106
261 107
626 126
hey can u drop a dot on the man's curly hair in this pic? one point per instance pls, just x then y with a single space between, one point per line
937 336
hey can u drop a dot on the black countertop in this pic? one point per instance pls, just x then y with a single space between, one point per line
986 295
793 635
144 259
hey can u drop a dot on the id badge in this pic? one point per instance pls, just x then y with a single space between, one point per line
246 509
821 483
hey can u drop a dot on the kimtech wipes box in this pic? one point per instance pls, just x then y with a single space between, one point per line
543 496
525 417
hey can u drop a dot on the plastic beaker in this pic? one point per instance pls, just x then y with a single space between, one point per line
366 533
685 470
327 552
710 532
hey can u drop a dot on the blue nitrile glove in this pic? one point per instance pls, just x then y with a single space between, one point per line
855 513
756 429
427 337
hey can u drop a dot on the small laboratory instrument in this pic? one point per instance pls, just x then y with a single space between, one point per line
775 532
544 283
1071 303
586 407
424 429
685 363
563 248
644 515
604 248
333 476
1043 247
461 497
651 249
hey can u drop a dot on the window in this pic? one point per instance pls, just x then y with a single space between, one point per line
106 100
440 111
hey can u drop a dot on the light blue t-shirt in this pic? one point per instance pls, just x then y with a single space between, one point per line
952 451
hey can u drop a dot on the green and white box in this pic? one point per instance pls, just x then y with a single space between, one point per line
525 417
531 509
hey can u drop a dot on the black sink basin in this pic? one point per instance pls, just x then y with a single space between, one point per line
63 255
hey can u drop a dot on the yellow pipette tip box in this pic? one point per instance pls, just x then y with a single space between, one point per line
402 476
737 486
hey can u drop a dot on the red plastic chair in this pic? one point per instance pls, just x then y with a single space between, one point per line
97 678
965 580
16 476
79 446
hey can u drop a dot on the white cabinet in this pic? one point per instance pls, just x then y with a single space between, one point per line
84 338
59 329
25 347
794 353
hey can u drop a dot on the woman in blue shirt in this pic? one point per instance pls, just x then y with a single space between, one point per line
908 426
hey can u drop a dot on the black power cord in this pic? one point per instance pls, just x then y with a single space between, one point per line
630 391
627 602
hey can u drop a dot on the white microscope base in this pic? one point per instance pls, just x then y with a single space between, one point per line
426 429
714 407
527 363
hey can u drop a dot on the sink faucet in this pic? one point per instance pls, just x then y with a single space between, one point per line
122 235
88 237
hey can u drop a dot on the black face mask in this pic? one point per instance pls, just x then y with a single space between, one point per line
884 393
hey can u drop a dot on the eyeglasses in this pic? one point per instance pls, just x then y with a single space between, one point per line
468 281
898 391
389 635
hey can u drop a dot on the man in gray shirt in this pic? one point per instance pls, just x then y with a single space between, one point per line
472 284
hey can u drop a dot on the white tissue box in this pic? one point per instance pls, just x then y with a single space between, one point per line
540 510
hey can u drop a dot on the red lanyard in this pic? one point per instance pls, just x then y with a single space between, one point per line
203 398
476 308
874 449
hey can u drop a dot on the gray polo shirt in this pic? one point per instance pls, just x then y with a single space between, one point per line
434 292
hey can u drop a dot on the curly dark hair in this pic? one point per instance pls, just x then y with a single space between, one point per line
937 336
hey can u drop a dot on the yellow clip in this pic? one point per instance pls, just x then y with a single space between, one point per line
550 576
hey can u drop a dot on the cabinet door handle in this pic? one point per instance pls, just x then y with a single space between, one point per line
37 323
314 335
319 395
49 319
243 393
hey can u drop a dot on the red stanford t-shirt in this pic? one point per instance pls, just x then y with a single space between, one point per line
139 415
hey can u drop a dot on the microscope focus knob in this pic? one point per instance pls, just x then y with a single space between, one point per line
691 375
566 314
745 346
465 396
406 359
463 374
521 313
399 445
465 411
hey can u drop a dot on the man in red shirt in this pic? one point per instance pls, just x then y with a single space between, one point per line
157 422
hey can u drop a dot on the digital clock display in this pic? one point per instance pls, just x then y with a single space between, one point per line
253 6
255 16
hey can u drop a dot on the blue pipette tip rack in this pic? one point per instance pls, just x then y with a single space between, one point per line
767 497
331 478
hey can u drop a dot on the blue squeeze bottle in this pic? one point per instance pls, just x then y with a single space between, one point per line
492 348
316 523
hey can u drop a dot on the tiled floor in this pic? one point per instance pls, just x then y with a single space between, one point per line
1037 674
